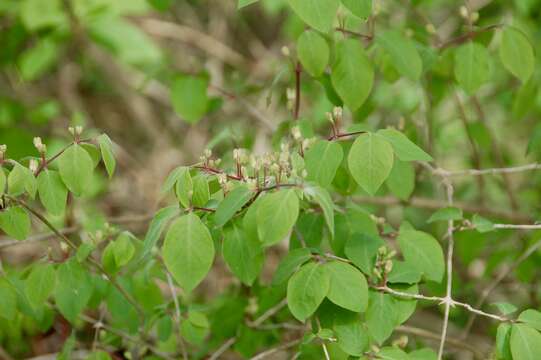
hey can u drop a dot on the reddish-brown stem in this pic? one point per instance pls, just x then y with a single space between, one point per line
336 136
468 36
298 71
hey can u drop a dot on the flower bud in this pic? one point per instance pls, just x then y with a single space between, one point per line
464 12
33 165
285 51
430 28
474 17
296 132
337 113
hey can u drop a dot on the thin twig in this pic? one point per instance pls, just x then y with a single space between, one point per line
492 171
177 314
269 352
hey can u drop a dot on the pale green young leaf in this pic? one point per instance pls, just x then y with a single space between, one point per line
76 168
402 52
361 249
424 252
20 180
52 192
289 264
380 316
155 229
322 161
313 52
525 342
505 308
15 222
531 317
123 249
473 66
423 354
189 97
233 202
352 73
306 290
370 161
348 287
481 224
244 3
319 14
40 284
243 255
446 214
359 8
517 53
107 154
324 200
276 215
401 180
403 147
73 289
188 251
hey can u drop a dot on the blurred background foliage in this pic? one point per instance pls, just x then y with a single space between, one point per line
166 79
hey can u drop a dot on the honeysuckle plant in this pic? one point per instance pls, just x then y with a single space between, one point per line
312 229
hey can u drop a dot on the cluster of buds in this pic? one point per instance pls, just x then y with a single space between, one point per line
3 149
384 262
206 159
76 131
40 146
291 96
471 17
335 117
241 156
33 165
401 342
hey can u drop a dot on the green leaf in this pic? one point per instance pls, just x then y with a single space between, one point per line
276 215
306 290
517 54
289 264
233 202
360 8
404 272
8 301
313 52
15 222
21 179
424 252
52 192
40 284
503 337
348 287
402 52
324 200
392 353
107 154
73 289
380 316
481 224
98 355
84 250
351 335
446 214
401 180
188 251
243 255
123 249
362 249
322 160
370 161
76 168
530 317
244 3
352 73
423 354
201 192
184 187
189 97
319 14
36 14
155 229
3 181
403 147
39 59
473 66
525 342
